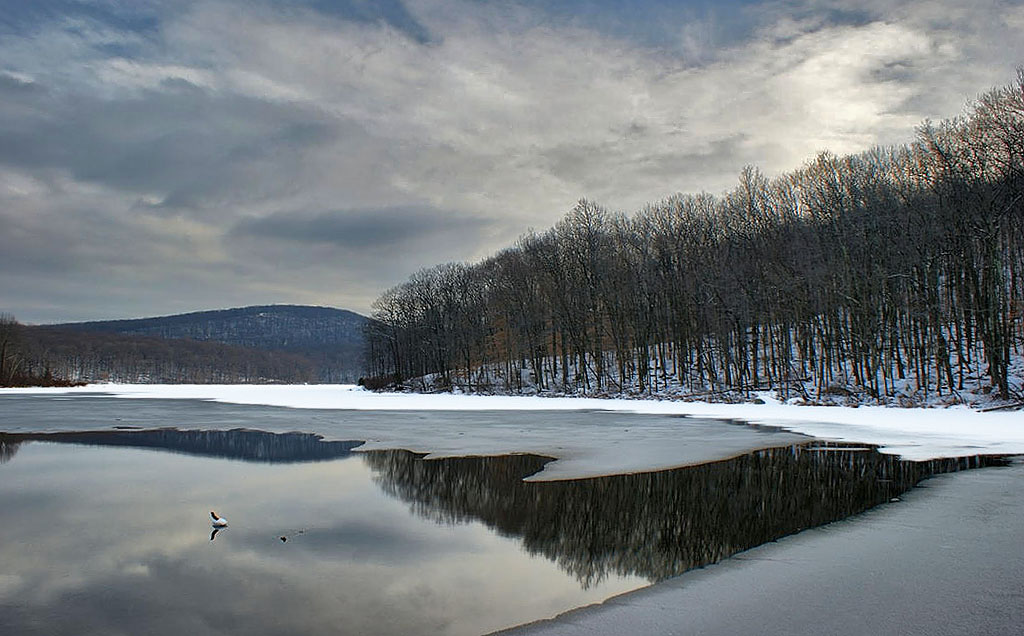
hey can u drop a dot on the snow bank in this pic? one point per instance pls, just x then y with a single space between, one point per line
910 433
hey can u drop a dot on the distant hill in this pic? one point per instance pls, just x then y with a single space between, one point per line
47 355
331 339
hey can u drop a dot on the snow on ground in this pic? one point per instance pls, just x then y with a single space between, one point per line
915 434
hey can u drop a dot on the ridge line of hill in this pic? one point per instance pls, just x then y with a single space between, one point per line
319 344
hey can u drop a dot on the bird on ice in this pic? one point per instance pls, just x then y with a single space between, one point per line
218 522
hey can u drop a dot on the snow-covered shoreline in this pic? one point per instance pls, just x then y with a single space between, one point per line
914 433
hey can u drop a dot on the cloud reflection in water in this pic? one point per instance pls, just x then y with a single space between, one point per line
101 534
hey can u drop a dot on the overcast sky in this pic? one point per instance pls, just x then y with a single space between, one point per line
167 156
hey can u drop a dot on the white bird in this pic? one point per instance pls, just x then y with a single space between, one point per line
218 522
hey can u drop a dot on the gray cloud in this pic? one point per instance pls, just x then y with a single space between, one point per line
181 143
287 249
367 229
192 155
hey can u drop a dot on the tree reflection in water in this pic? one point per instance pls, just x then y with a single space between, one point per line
8 448
242 444
655 525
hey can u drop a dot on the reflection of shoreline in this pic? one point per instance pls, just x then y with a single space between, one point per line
241 444
660 524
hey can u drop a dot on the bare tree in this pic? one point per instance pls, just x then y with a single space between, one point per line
9 357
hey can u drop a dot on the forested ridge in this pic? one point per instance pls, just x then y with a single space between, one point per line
894 274
48 356
275 343
330 339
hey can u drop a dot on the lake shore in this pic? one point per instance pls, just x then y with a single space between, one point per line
946 559
587 449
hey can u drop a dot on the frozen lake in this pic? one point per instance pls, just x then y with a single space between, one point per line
106 520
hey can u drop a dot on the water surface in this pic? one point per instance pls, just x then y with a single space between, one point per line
114 539
108 531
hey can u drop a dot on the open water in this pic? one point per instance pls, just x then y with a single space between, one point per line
105 526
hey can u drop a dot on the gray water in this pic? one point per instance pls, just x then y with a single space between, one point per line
106 529
102 540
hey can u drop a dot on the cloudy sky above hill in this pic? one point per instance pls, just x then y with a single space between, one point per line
161 156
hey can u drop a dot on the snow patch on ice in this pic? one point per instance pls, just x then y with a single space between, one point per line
917 434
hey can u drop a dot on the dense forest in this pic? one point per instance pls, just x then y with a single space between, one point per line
897 274
53 356
331 340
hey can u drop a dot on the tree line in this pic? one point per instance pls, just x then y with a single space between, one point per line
896 273
331 339
49 356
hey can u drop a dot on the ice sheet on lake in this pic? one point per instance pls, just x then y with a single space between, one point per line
589 446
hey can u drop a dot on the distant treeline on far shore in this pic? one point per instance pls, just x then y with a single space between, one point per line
258 344
46 356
